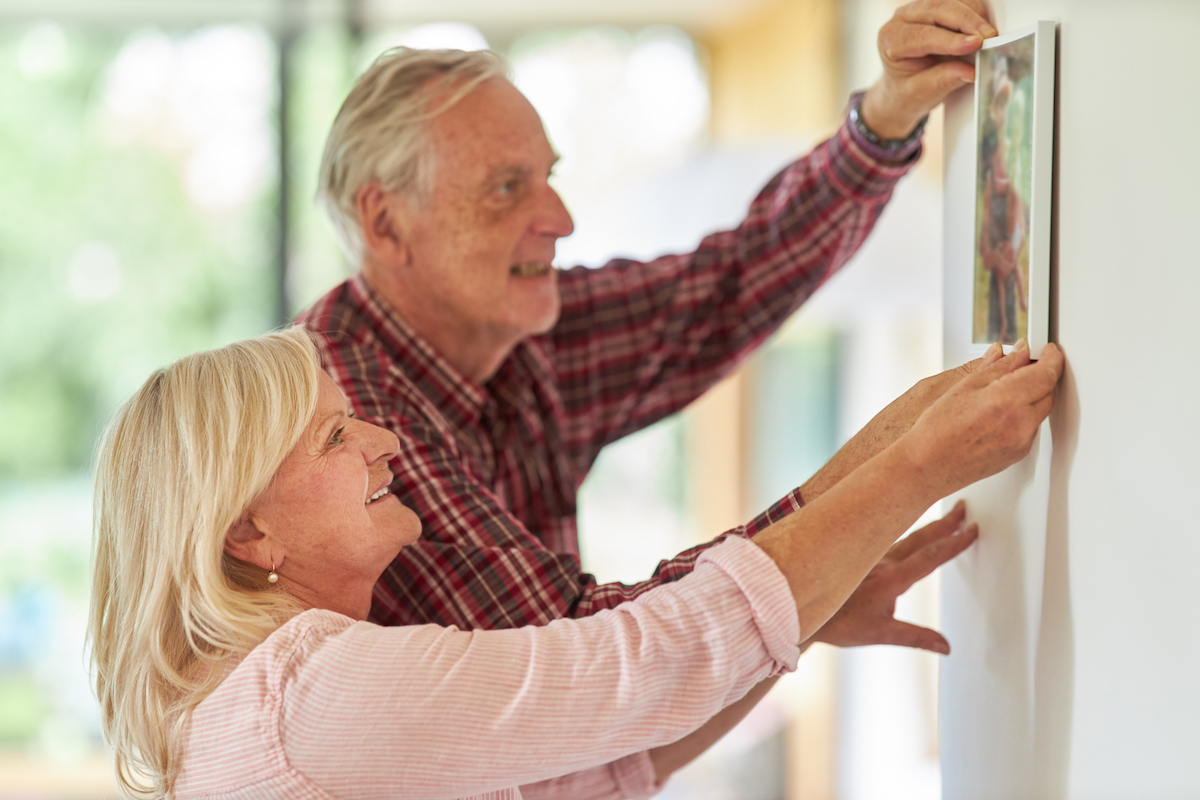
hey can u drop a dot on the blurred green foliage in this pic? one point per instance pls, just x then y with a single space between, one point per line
188 279
109 268
23 707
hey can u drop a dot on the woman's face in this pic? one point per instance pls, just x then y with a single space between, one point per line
329 529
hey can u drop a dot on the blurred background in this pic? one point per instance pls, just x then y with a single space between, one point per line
157 168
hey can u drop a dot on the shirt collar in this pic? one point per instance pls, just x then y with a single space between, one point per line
459 399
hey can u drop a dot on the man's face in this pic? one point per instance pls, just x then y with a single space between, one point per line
481 248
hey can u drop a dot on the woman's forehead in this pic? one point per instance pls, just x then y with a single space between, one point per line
331 402
329 393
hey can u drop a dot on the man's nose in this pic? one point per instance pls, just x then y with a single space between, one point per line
554 219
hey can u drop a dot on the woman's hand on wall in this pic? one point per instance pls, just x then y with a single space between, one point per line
868 615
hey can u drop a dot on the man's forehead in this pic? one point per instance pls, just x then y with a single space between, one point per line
493 124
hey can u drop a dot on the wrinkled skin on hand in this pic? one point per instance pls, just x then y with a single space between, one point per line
890 424
985 422
925 49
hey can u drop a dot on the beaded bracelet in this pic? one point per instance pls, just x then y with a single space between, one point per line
876 139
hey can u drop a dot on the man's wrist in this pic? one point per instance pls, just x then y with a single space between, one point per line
885 141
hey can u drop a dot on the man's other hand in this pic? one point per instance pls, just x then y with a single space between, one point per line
868 615
924 49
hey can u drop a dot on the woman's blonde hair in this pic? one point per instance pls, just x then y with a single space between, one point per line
178 465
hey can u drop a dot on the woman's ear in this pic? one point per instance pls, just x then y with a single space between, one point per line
246 542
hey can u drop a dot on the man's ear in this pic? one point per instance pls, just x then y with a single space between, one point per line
381 215
246 542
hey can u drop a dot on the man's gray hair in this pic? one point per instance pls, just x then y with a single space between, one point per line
380 132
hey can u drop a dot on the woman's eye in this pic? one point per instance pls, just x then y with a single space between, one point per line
337 439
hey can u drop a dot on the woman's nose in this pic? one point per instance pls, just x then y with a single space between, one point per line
378 443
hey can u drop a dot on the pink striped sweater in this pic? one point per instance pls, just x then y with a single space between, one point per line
328 707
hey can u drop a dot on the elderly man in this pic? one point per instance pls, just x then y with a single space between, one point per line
504 377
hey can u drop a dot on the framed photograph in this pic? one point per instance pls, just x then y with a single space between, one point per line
1014 129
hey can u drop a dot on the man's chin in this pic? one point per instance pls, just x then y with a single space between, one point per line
545 319
534 303
547 323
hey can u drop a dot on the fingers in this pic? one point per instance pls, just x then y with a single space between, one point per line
979 7
1049 372
1042 408
984 423
1024 381
930 86
930 557
991 373
904 42
1017 358
1052 356
993 354
905 634
1036 381
939 529
964 16
1042 378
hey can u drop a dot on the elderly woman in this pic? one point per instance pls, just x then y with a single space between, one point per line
242 517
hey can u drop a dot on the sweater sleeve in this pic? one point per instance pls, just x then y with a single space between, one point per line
637 341
440 713
628 778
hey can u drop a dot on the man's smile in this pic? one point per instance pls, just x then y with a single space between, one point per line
531 269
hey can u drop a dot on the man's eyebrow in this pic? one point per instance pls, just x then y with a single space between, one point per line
507 171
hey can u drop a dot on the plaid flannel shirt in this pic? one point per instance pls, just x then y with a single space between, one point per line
493 470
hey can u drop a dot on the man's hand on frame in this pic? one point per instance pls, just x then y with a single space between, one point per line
925 49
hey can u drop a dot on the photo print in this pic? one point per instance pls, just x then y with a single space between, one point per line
1014 131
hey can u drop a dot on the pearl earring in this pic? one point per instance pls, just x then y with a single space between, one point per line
271 576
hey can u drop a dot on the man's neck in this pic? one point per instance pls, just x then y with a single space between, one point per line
472 350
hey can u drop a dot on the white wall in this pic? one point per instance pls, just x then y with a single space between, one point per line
1076 620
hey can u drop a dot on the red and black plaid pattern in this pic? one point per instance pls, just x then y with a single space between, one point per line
493 470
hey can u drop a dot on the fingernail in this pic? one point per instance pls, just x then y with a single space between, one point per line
944 649
995 348
1021 345
960 505
988 31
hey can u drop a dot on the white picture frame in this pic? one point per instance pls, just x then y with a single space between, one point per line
1014 140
